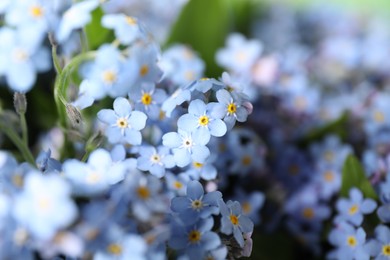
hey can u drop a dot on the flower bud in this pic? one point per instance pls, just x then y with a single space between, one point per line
74 115
20 103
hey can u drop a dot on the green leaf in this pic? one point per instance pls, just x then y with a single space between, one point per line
337 127
203 25
354 176
96 33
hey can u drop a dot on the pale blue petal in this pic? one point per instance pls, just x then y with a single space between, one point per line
21 77
217 128
241 114
383 234
122 107
171 140
194 190
182 157
133 137
238 236
200 153
107 116
210 240
223 96
187 122
179 204
202 134
246 224
137 120
356 195
368 206
197 107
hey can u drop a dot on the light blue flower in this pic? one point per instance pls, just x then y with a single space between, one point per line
177 98
186 147
78 15
352 209
130 246
181 65
331 152
196 204
109 74
230 106
126 28
95 176
328 181
22 54
194 240
233 221
148 99
146 57
240 54
177 183
124 124
205 170
201 121
155 160
380 246
251 203
44 206
349 242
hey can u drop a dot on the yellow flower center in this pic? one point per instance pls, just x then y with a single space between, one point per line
197 165
155 158
308 213
114 249
246 207
109 76
386 250
234 219
122 123
328 176
146 99
203 120
17 180
379 117
329 156
144 70
351 241
246 160
293 170
44 203
194 236
189 75
232 108
178 185
352 210
143 192
93 178
196 204
36 11
20 55
130 20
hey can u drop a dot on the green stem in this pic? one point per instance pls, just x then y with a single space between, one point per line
19 143
61 86
23 125
56 61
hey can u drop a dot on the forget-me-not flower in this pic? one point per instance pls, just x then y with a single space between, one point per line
352 209
44 206
379 247
126 28
233 221
196 204
155 160
124 124
201 121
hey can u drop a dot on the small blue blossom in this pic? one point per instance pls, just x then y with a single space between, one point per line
177 98
196 204
194 240
205 170
240 54
155 160
177 183
127 29
146 57
109 74
148 99
22 54
230 107
233 221
124 124
186 147
251 203
44 206
352 209
200 120
78 15
349 242
380 246
95 176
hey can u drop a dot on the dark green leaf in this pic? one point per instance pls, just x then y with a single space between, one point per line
354 176
96 33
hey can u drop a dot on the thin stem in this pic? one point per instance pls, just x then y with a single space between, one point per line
56 61
23 125
19 143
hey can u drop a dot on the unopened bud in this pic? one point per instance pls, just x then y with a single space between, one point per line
52 40
74 115
20 103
